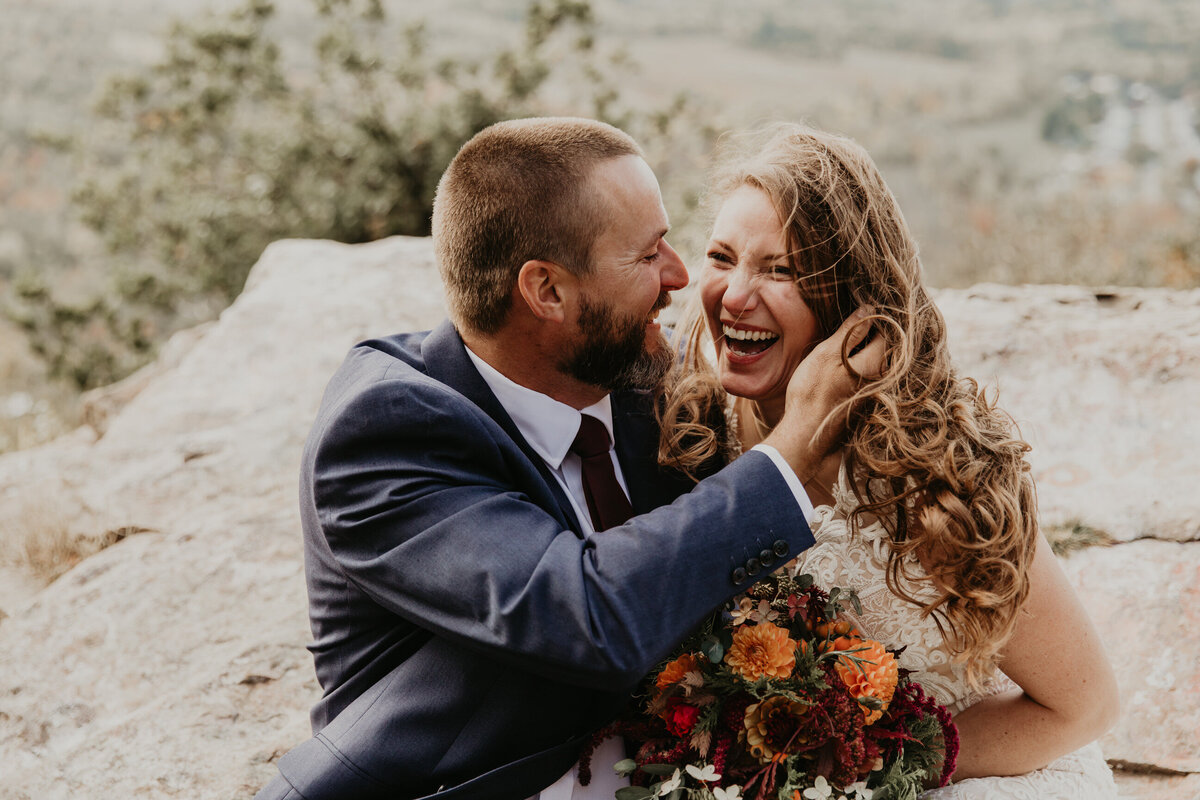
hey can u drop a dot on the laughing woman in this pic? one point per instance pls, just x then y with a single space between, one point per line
929 511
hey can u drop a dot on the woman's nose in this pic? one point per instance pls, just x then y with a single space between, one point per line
741 292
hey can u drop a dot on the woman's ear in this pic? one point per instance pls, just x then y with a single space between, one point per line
545 288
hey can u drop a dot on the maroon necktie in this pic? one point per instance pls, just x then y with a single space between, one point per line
606 501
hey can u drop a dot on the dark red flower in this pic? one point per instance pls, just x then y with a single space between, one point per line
681 718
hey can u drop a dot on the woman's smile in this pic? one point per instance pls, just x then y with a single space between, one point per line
747 344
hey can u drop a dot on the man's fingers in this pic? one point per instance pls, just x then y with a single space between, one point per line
868 362
853 329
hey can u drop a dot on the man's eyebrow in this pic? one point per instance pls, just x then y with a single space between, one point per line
658 237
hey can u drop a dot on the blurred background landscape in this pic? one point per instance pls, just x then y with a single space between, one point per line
149 150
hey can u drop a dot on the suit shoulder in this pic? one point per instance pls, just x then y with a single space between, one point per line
385 380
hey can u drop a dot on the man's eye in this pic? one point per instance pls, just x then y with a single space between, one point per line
651 258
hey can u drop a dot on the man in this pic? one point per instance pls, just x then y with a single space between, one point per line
470 624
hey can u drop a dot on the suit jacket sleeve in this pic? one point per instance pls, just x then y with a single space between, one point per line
415 494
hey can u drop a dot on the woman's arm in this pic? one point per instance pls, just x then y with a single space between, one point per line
1068 693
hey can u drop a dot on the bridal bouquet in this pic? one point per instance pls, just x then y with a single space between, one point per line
784 700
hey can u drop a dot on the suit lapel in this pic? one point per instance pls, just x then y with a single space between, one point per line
636 433
446 360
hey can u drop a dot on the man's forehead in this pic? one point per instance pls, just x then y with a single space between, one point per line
631 202
625 177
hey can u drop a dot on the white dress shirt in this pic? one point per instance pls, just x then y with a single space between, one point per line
550 427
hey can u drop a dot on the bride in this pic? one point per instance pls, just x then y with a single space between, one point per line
929 511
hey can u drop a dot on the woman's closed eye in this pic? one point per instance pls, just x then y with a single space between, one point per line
720 259
780 272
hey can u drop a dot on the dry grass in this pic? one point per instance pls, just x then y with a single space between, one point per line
1075 535
37 540
45 553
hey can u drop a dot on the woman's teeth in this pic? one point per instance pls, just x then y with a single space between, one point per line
748 336
748 342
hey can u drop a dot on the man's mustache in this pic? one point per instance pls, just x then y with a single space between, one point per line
664 300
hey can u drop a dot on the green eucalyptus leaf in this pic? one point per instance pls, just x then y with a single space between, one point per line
625 767
634 793
659 769
712 648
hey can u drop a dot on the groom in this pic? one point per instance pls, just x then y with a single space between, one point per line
471 624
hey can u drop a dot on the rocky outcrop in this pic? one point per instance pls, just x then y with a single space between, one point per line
171 662
1103 385
1145 596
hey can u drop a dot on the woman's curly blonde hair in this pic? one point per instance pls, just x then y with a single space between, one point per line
930 456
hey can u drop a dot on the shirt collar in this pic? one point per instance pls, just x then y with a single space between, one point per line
548 425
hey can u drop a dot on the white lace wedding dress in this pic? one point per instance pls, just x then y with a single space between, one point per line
859 562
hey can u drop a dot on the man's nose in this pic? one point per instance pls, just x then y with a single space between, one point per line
674 273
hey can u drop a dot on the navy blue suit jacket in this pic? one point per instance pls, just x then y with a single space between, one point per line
466 635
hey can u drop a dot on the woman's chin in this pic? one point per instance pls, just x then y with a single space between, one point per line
738 386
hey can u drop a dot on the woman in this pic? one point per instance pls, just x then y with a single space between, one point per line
929 512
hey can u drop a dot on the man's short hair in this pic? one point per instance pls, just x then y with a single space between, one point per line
518 191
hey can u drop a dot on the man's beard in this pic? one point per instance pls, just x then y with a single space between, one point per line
613 354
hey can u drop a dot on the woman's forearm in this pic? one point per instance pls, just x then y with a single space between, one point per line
1011 734
1068 694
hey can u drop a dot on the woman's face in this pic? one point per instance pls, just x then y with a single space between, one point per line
761 327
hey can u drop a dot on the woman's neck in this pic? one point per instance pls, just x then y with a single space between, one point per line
756 420
770 411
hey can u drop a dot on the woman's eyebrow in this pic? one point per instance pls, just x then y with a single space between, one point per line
773 257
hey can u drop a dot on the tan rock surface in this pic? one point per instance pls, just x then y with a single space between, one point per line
172 663
1136 786
1104 385
1145 598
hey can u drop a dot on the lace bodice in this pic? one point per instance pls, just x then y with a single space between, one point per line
859 562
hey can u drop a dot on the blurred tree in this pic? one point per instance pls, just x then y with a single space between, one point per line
218 150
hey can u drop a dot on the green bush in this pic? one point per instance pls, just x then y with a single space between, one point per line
195 165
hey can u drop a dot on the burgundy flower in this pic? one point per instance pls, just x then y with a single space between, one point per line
681 718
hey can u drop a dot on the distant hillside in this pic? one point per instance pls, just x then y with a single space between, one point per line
1027 141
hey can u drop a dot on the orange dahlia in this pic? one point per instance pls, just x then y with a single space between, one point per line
777 725
673 673
873 675
759 650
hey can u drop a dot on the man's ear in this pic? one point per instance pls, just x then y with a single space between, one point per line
545 286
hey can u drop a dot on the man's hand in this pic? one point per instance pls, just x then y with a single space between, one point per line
817 387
